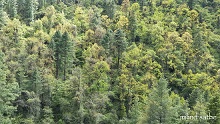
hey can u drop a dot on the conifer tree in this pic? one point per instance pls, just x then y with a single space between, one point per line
9 92
30 11
120 44
56 46
133 20
79 111
214 109
200 110
42 3
27 9
13 8
47 116
107 41
109 8
159 111
135 112
63 54
65 49
2 20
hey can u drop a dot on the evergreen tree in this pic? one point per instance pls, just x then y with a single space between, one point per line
42 3
192 99
29 107
200 109
56 46
9 92
2 19
214 109
47 116
133 20
109 8
159 107
95 19
191 4
120 44
30 11
79 111
13 8
67 54
27 10
107 41
135 112
36 84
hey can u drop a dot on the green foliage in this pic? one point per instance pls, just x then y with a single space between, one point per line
120 45
200 109
48 116
109 8
9 92
104 62
213 108
63 54
2 19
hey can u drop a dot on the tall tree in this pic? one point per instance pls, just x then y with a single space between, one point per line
27 10
109 8
200 109
67 54
120 44
159 109
13 8
63 54
9 92
56 46
214 109
134 15
30 11
2 19
107 42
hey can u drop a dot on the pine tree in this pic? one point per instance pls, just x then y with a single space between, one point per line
135 112
65 49
13 9
2 20
109 8
56 47
79 111
142 3
159 111
107 41
191 3
37 82
200 109
95 19
30 11
47 116
27 9
120 44
214 109
133 20
193 97
28 105
42 3
9 92
63 54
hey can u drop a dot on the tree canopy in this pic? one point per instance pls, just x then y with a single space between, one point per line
109 61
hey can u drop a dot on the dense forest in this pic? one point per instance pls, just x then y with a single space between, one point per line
109 62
